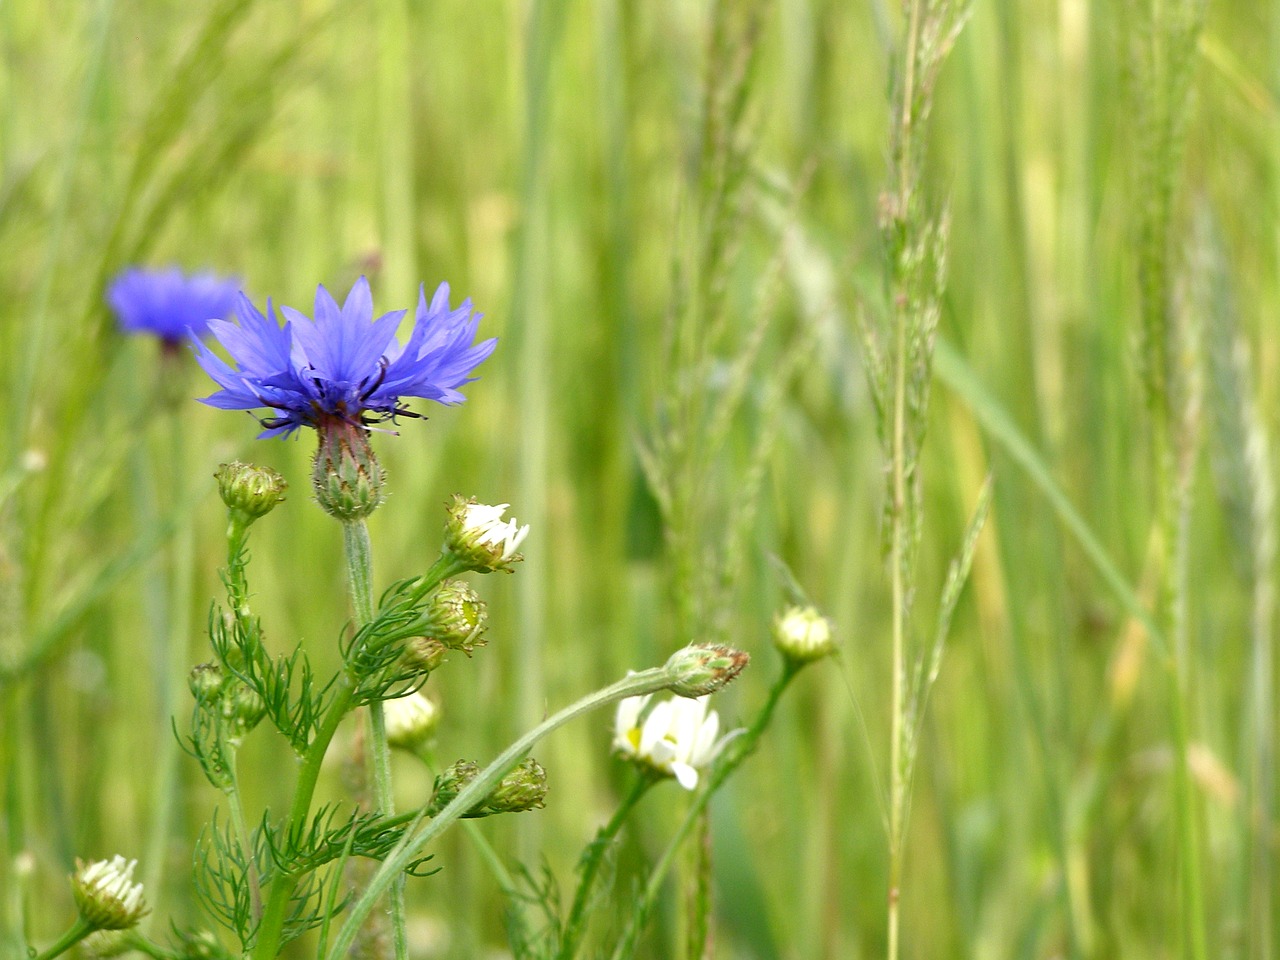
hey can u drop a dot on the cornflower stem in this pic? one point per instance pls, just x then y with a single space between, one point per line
174 604
590 866
417 838
78 931
735 753
355 539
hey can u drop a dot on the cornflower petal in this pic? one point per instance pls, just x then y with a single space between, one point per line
168 303
342 365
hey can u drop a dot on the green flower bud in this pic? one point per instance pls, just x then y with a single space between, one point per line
424 654
105 894
205 681
345 475
202 945
249 492
456 617
700 669
105 944
477 535
244 707
410 720
450 783
524 788
803 635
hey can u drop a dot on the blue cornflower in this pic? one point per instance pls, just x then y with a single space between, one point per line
169 303
344 367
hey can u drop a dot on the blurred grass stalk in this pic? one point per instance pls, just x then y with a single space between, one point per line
899 367
1172 380
1243 470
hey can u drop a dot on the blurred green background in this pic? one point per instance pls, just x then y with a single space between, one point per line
547 160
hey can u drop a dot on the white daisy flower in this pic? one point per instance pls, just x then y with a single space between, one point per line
676 739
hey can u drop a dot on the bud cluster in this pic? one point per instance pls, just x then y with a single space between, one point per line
235 704
524 788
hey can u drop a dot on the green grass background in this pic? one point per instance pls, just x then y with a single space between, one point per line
543 158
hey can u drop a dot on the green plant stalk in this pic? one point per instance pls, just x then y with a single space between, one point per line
359 556
576 923
699 938
735 753
175 631
995 420
898 732
1173 521
412 844
238 823
395 143
267 942
12 822
78 931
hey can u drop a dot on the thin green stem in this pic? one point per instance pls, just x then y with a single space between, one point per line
590 866
241 828
413 843
1173 520
79 930
898 785
359 555
729 761
355 542
175 625
267 943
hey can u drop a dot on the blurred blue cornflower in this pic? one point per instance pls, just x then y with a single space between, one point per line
344 367
170 304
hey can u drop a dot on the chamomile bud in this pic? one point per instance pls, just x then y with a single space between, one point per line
104 944
202 945
477 535
244 707
248 491
105 894
456 617
205 681
700 669
803 635
524 788
410 720
424 654
450 783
